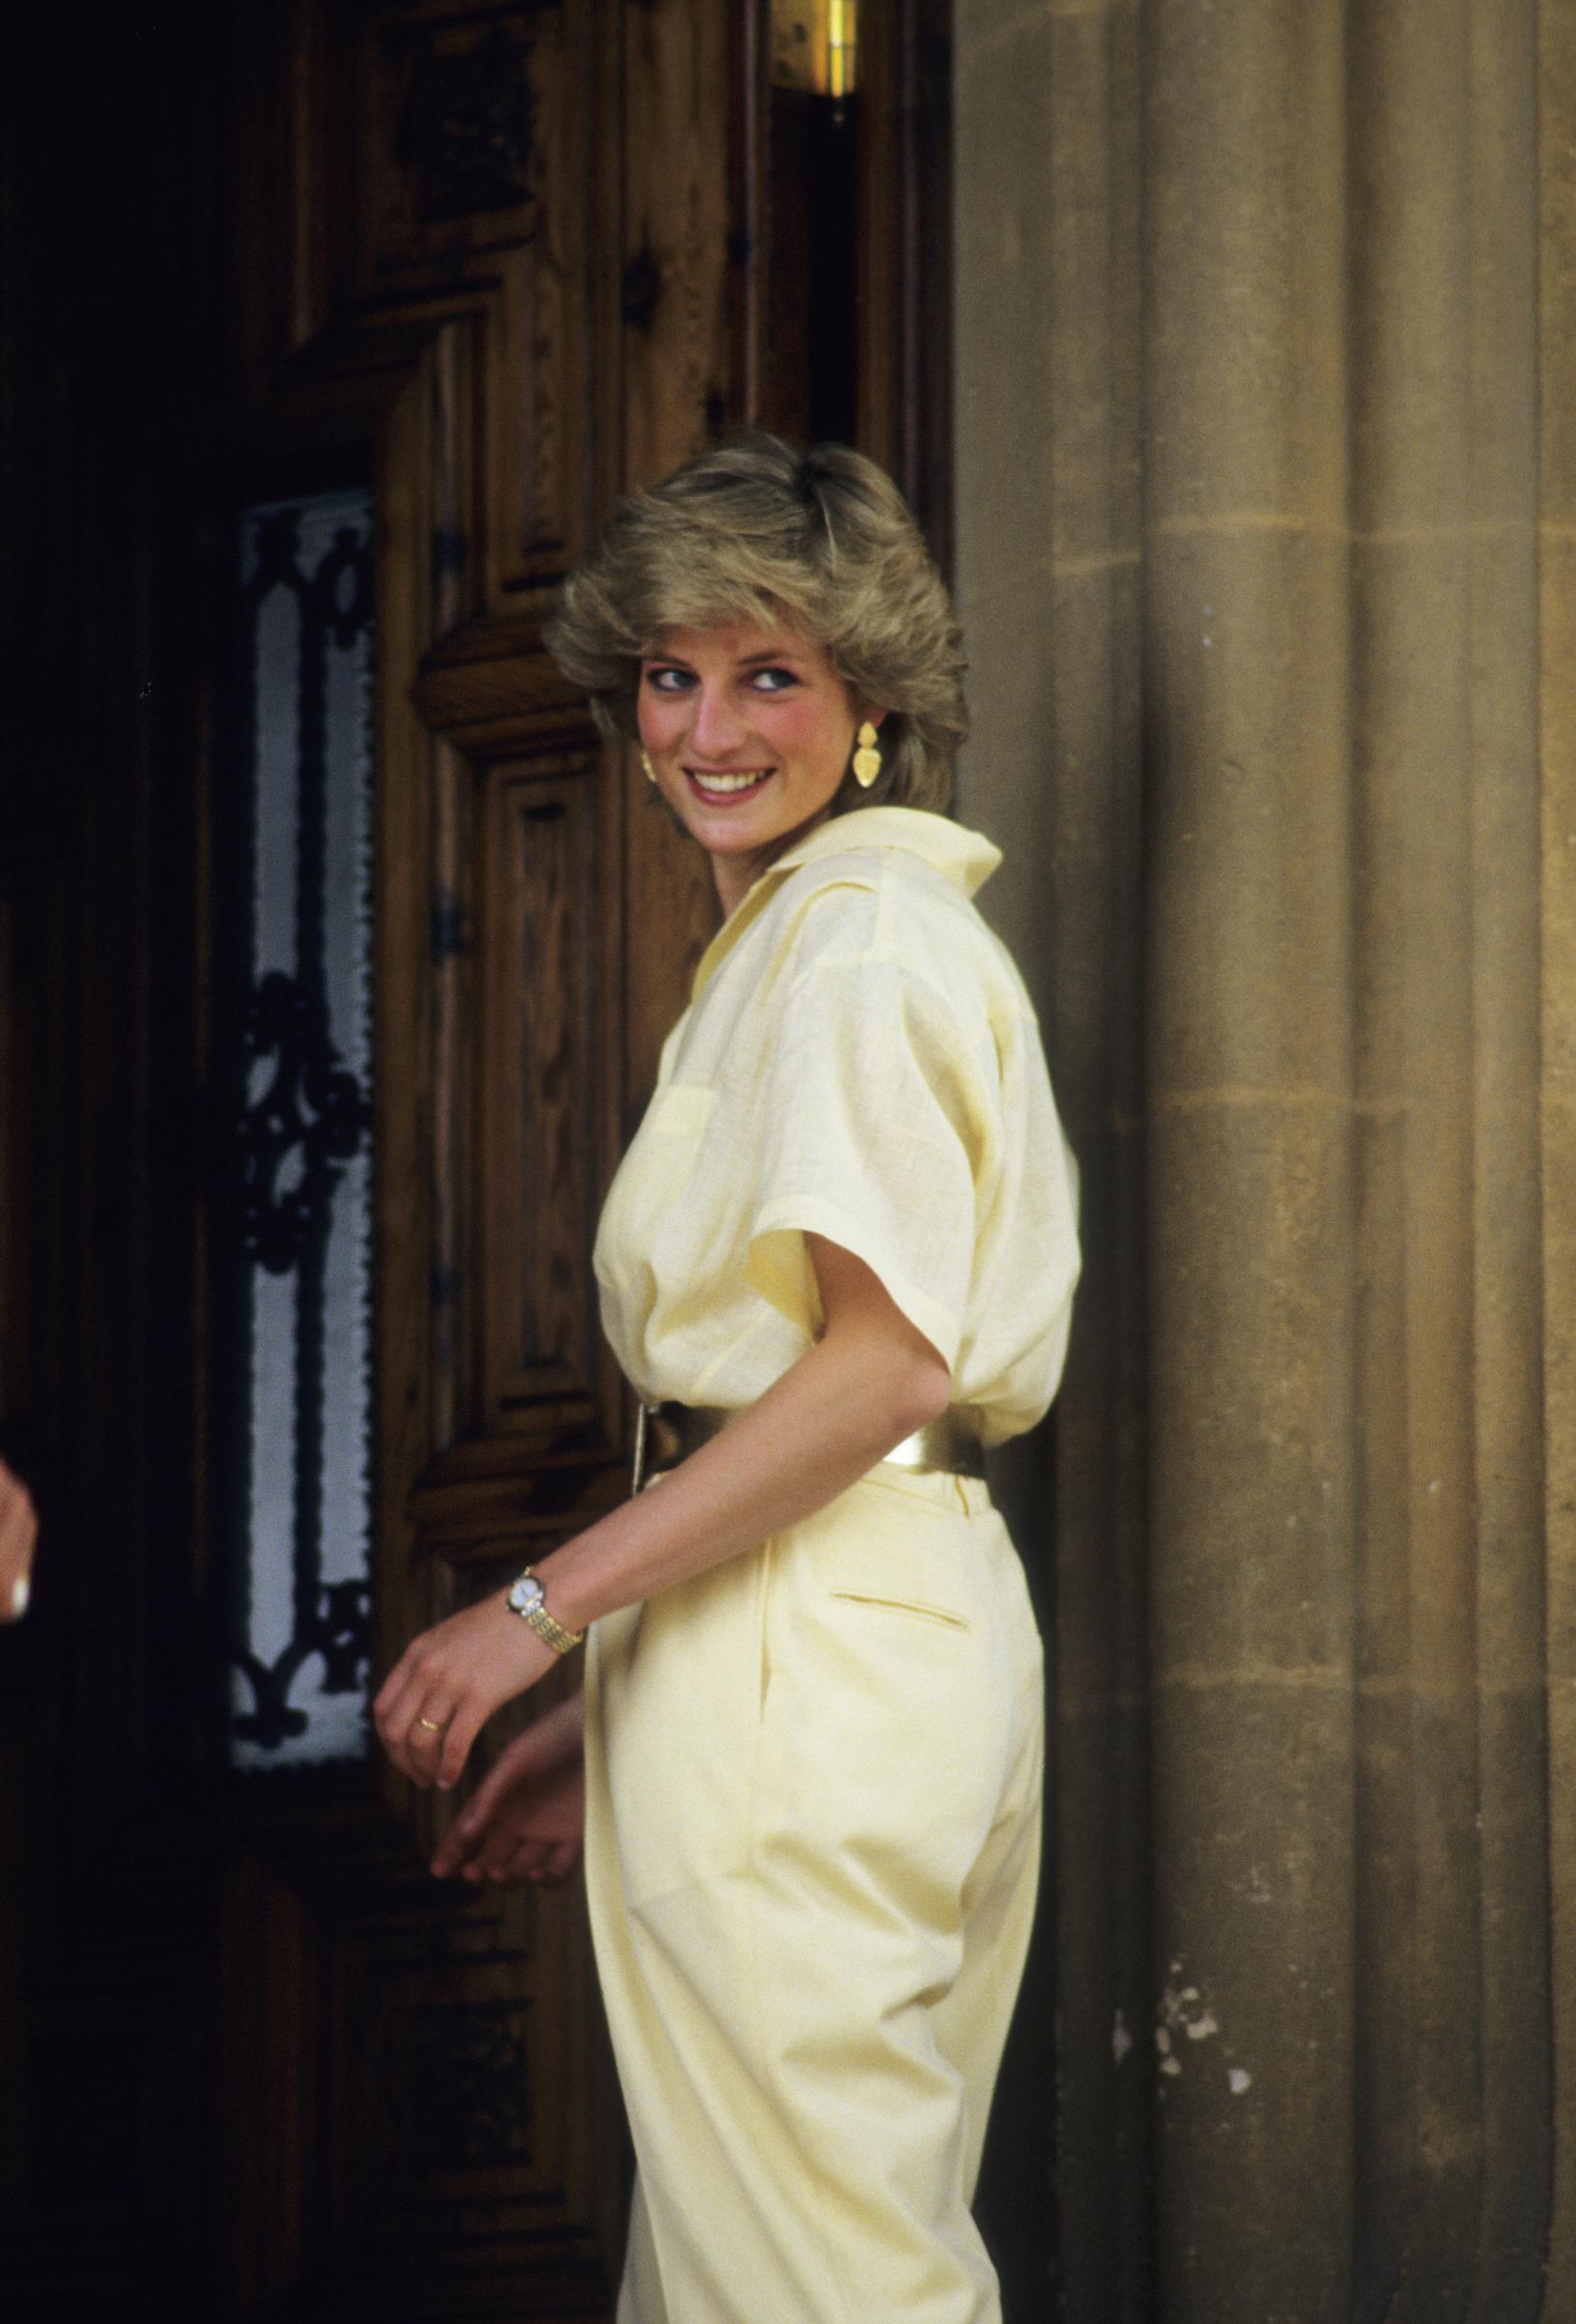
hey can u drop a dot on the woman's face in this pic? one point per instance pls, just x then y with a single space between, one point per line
749 732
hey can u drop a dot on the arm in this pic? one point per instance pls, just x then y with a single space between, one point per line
868 1382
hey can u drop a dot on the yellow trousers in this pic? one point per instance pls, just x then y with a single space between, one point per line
812 1844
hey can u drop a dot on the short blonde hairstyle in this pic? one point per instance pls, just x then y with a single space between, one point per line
757 532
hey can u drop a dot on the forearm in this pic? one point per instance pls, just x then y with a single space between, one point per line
866 1385
828 1419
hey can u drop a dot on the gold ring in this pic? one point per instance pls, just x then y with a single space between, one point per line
434 1727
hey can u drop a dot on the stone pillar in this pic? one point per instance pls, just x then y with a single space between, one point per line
1556 38
1316 1625
1452 2130
1251 1517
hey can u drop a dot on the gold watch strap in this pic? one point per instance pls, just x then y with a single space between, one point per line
537 1618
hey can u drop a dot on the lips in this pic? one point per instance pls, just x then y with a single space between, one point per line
723 789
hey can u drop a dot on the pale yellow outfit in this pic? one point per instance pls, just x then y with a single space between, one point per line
814 1771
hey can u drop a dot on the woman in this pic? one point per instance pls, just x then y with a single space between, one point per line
839 1255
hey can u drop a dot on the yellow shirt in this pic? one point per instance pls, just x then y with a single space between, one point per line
860 1060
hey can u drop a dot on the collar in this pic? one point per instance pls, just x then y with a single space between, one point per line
964 857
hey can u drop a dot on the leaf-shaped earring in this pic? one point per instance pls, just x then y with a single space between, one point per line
867 758
646 762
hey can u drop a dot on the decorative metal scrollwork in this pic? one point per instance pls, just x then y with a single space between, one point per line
312 1108
341 1632
301 1185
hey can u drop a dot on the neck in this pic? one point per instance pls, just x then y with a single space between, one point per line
736 875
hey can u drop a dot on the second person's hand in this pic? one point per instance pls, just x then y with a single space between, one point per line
527 1819
18 1532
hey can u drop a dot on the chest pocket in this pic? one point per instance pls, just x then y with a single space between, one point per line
651 1179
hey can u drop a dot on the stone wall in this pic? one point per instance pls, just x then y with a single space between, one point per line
1266 506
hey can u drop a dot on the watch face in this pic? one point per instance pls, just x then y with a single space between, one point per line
527 1594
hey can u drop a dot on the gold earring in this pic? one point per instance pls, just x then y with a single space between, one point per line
867 758
646 762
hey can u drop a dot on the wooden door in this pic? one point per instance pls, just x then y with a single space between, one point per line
482 263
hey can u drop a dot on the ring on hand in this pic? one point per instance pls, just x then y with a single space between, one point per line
434 1727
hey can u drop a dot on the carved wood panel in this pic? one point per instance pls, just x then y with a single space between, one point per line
539 1153
475 181
497 257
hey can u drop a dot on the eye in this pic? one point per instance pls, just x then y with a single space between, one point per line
668 677
773 680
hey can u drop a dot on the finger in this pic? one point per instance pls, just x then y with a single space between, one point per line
19 1524
413 1733
461 1730
393 1687
454 1850
424 1740
469 1834
545 1863
517 1863
506 1772
18 1532
402 1694
394 1709
494 1853
494 1846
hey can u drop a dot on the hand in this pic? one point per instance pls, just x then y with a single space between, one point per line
447 1683
18 1531
527 1818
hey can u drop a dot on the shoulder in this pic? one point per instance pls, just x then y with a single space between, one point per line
872 901
889 918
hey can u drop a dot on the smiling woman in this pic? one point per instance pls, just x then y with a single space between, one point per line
812 550
747 735
836 1264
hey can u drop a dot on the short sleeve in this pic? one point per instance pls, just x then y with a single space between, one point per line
876 1135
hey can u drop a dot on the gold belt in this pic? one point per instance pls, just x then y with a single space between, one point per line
666 1434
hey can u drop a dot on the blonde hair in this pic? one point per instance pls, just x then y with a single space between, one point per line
757 532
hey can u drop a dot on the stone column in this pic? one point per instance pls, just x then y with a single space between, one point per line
1451 2133
1331 547
1556 1346
1252 1514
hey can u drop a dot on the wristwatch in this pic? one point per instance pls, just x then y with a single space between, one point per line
525 1599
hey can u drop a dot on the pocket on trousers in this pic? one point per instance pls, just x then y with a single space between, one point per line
912 1607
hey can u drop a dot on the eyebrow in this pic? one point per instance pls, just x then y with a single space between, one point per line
746 661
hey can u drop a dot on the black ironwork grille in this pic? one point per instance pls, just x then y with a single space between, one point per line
299 1663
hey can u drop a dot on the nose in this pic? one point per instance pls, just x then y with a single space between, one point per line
717 727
